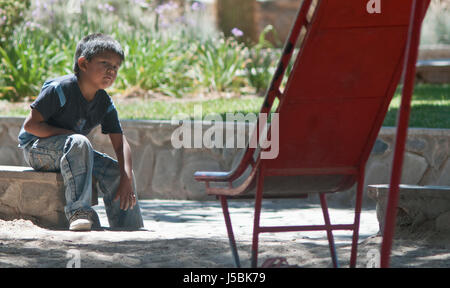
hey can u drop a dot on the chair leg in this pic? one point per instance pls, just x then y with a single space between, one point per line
358 204
226 215
258 202
323 203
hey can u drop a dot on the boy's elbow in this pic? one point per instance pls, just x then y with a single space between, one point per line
32 120
28 125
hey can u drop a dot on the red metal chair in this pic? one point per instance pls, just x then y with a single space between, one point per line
348 67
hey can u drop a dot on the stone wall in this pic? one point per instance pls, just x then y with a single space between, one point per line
31 195
420 208
164 172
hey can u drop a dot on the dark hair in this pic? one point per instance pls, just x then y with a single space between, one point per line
93 45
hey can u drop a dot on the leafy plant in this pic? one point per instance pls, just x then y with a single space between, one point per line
11 15
175 59
155 64
218 64
259 70
27 63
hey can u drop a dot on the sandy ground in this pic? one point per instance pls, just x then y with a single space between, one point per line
191 234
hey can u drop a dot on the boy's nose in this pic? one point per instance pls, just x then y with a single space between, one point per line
110 72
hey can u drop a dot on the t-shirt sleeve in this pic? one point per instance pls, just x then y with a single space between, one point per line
110 122
49 101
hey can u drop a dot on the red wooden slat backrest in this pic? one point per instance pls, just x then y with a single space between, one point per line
340 87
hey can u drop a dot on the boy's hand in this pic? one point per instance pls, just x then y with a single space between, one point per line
125 194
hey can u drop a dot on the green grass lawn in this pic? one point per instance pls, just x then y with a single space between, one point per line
162 110
430 107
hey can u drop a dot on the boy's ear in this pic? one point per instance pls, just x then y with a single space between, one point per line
82 63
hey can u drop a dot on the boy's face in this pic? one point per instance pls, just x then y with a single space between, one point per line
101 70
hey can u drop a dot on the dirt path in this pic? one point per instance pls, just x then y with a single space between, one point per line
192 234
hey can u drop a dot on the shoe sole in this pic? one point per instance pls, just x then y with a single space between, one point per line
80 226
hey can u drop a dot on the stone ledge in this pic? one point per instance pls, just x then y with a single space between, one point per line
433 71
419 207
32 195
389 130
429 52
28 173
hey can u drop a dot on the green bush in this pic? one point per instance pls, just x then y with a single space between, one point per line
27 62
262 61
165 53
12 13
218 63
156 64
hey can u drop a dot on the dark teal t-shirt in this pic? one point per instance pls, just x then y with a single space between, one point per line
62 105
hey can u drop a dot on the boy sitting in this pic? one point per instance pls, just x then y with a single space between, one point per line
53 137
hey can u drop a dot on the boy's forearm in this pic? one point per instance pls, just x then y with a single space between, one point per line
125 161
44 130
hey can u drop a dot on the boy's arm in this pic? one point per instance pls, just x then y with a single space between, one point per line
123 152
36 125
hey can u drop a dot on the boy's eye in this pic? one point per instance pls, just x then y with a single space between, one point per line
107 65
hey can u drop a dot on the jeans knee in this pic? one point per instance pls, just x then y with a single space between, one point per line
78 142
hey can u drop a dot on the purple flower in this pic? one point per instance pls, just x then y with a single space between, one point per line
110 8
159 9
181 19
166 7
164 25
236 32
172 5
3 20
32 26
197 6
141 3
106 6
35 13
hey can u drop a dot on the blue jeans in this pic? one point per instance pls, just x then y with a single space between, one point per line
77 161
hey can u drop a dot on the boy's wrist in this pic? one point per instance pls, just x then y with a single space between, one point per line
124 176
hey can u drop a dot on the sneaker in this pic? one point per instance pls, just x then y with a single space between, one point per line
82 220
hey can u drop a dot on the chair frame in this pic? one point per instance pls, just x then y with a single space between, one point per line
259 171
